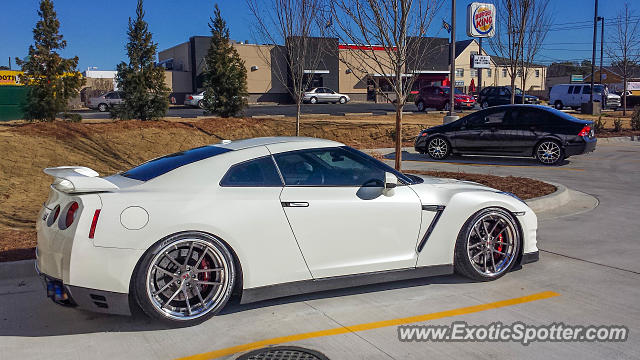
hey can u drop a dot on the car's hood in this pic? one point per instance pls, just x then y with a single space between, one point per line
531 97
613 96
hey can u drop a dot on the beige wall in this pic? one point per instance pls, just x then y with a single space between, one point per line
497 79
264 79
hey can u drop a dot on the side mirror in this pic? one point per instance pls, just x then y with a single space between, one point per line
390 183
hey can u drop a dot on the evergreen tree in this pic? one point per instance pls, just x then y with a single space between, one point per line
52 80
145 95
225 74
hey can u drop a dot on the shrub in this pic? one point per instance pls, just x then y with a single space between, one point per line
635 118
617 125
598 125
72 117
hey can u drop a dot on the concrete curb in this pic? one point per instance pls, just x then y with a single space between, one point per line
619 139
17 269
548 202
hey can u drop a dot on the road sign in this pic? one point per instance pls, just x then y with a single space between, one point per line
459 83
481 20
577 78
481 62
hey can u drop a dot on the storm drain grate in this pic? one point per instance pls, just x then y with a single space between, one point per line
283 353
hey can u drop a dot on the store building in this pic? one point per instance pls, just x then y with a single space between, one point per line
335 66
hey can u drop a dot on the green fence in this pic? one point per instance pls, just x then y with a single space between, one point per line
12 100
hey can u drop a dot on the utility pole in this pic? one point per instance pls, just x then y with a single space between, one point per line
593 57
452 56
9 62
601 18
479 87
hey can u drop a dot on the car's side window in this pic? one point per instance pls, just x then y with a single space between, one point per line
327 167
260 172
576 89
570 90
503 92
495 118
586 89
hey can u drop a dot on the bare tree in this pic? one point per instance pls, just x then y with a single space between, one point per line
624 47
294 24
536 30
508 42
386 38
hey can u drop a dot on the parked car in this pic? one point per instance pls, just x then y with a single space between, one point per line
543 132
501 95
313 206
438 97
573 95
103 102
324 95
195 100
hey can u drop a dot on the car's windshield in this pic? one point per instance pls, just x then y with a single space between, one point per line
518 91
458 91
598 89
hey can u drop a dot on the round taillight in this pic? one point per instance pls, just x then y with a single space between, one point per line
71 214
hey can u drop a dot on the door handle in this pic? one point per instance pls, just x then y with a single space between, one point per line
295 204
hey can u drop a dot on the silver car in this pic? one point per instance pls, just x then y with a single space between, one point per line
105 101
324 95
195 100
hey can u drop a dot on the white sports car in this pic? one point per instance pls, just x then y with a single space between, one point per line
264 218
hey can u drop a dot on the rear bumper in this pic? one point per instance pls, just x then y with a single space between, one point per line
581 147
84 298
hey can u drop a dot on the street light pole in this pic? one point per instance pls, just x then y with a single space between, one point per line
601 18
593 57
452 56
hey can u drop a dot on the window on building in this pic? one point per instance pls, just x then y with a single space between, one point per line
519 72
474 73
459 72
537 73
489 72
504 72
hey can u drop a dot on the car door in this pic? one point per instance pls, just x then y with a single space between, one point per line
521 127
465 139
111 98
332 96
504 96
494 135
343 222
576 97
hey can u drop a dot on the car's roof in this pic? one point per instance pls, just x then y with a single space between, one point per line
262 141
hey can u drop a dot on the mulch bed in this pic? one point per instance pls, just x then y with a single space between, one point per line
522 187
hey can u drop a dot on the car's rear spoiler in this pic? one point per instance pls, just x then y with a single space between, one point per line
78 179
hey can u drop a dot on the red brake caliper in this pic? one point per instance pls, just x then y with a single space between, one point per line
500 245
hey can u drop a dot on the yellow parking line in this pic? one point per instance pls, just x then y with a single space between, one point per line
372 325
496 165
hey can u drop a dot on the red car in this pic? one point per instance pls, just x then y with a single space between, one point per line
438 97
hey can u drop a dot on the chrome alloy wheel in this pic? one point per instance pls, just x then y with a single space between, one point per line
492 244
187 279
548 152
438 148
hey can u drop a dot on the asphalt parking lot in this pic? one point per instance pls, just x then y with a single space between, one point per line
588 274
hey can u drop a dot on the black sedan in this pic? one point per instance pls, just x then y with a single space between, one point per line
519 130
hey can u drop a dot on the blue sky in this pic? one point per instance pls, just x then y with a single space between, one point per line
96 30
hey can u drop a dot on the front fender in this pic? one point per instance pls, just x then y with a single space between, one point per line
440 246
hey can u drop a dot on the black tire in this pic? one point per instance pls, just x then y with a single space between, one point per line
438 148
446 106
484 104
463 263
201 104
313 100
343 100
420 105
558 105
103 107
145 277
549 152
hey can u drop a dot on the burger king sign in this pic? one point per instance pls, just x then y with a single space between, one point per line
481 20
